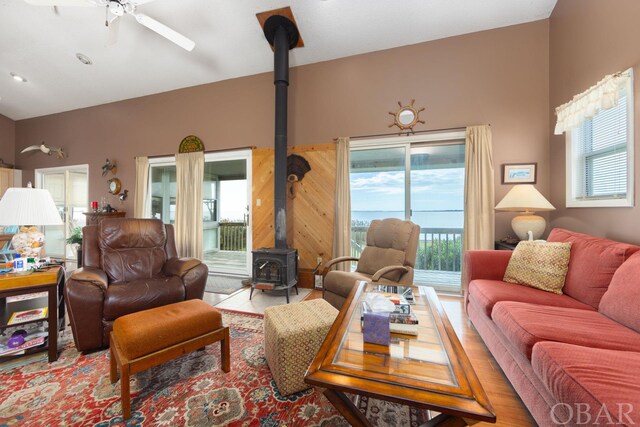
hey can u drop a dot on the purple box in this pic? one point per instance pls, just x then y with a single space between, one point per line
375 328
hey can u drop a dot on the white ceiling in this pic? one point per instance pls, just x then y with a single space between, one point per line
41 46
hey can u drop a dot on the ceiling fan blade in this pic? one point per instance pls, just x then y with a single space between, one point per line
165 31
61 2
112 31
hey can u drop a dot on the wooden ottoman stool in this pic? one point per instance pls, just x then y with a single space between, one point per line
293 334
151 337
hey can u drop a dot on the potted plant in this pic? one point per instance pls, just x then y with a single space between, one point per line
76 239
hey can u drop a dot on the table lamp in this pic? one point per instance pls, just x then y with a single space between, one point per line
526 199
28 208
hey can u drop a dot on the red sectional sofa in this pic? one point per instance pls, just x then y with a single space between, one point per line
574 358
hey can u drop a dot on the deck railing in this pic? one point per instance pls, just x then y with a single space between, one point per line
438 248
233 236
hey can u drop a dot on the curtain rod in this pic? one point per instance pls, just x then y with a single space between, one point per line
406 133
249 147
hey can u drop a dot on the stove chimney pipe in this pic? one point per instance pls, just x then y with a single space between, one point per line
283 35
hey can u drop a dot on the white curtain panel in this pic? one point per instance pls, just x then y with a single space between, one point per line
189 178
602 96
479 198
342 220
142 187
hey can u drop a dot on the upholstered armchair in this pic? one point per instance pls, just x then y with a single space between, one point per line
388 258
129 265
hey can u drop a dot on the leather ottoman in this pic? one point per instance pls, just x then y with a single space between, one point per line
293 334
151 337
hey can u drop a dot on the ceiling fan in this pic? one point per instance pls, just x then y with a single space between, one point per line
117 8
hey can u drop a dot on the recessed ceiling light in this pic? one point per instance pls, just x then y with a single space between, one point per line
17 78
84 59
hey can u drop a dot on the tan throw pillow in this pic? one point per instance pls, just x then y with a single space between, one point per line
541 265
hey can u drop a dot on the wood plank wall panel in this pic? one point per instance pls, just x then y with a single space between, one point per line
312 210
309 214
262 188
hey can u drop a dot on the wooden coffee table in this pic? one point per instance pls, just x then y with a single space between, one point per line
430 371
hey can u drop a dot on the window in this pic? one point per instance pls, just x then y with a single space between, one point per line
419 178
600 156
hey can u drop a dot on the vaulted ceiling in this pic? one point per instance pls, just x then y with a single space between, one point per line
40 43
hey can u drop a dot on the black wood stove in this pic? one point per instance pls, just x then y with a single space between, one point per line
277 268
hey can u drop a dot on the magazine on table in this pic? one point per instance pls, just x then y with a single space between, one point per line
405 291
27 297
28 315
8 351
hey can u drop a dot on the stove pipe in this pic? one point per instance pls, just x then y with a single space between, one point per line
283 35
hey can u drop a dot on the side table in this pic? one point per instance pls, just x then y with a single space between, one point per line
51 281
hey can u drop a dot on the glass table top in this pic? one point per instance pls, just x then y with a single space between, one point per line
419 358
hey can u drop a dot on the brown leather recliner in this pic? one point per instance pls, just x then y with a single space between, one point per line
129 265
388 258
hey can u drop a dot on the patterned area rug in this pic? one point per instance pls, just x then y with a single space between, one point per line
191 391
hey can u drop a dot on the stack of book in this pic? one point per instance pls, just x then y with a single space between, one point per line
403 320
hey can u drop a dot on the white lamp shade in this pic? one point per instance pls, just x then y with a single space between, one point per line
28 206
524 198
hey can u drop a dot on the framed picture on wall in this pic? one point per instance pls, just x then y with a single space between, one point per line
519 173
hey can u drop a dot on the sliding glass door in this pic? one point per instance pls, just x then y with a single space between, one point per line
437 206
226 196
69 188
226 192
378 190
421 181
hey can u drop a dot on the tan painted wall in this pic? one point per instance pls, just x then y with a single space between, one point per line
498 77
588 40
7 139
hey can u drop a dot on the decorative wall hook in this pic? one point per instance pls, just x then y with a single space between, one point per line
109 166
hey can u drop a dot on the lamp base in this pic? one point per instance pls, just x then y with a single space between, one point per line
28 242
522 224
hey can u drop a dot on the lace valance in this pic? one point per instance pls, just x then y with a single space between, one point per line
601 96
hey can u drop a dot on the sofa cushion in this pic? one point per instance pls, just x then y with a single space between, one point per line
137 295
540 265
592 265
486 293
584 379
620 302
526 324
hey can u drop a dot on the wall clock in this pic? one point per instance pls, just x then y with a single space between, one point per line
114 186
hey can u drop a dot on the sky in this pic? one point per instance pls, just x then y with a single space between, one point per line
432 189
233 199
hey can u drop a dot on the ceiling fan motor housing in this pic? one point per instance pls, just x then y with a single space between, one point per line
119 8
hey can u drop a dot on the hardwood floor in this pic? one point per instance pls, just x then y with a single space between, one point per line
510 411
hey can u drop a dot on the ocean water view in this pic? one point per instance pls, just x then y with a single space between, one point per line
425 219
